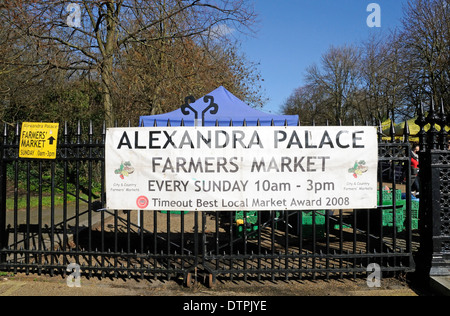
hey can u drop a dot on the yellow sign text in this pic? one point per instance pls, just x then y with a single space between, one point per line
38 140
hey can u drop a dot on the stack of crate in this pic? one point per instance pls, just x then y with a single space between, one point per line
388 213
415 214
400 210
250 223
308 220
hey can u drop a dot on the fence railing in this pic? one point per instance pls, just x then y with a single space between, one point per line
52 214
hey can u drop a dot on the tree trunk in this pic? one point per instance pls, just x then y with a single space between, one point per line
106 74
107 65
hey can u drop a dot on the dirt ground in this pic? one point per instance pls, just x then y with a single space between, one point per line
34 285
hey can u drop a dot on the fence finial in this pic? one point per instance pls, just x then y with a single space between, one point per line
432 116
442 122
421 122
17 129
392 130
432 119
406 132
380 131
442 116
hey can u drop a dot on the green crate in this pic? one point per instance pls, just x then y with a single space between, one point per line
319 219
387 196
415 208
307 224
251 219
252 231
251 216
308 220
174 212
388 218
414 214
414 224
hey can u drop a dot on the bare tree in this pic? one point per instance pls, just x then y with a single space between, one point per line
383 78
164 73
308 102
101 31
337 78
426 36
373 73
388 77
22 72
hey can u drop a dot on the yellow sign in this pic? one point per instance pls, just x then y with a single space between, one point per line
38 140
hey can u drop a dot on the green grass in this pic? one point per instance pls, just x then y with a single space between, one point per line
35 201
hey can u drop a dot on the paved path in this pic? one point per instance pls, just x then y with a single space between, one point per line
31 224
441 285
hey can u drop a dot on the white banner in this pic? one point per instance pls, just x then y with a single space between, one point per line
241 168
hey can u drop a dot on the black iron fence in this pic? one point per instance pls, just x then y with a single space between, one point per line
52 214
434 255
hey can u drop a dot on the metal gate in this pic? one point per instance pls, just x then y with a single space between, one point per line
52 214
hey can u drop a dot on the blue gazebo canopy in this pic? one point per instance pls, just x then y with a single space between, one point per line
229 108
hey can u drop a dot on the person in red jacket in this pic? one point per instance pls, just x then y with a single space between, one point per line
415 169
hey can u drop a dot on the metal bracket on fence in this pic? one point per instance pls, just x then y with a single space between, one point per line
186 107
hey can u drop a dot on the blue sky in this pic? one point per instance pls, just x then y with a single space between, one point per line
294 34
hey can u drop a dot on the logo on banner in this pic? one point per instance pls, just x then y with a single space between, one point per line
124 170
358 168
142 202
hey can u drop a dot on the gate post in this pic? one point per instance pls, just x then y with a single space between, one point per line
434 213
3 170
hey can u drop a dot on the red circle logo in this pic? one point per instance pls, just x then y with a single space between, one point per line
142 202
